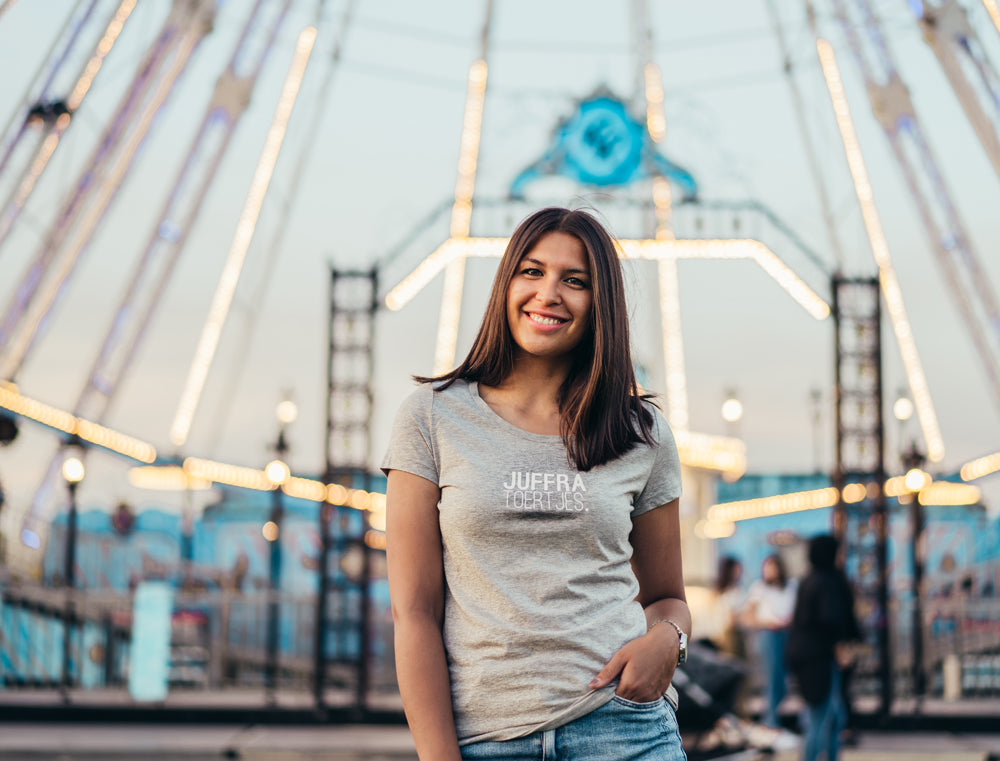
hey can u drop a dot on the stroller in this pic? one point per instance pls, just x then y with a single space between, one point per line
708 685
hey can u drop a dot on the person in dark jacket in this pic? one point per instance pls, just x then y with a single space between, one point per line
822 627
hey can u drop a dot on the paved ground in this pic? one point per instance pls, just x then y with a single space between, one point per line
131 742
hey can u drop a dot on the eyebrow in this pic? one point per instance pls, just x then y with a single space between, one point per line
543 264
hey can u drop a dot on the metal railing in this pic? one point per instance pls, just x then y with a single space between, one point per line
217 643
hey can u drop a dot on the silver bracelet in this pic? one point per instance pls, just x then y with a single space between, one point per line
677 628
682 638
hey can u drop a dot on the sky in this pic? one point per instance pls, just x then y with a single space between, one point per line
384 159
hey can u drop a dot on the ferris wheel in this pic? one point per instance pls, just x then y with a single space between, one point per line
90 32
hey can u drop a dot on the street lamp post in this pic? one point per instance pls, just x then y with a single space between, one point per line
72 472
915 480
277 473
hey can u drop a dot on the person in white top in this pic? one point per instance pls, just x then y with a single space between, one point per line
769 607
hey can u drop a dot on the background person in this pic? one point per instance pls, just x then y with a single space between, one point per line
822 629
718 625
769 606
532 524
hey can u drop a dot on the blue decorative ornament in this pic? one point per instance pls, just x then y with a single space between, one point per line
601 144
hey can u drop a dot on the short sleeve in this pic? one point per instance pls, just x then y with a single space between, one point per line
411 445
664 481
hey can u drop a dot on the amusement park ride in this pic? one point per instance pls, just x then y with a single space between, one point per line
601 144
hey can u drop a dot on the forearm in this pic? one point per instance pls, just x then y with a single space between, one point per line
669 609
422 672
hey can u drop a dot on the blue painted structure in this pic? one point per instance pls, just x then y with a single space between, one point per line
601 144
229 551
958 537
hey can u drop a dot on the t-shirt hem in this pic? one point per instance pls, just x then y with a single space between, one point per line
590 702
430 475
655 502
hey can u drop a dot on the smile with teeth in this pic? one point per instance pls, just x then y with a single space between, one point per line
542 320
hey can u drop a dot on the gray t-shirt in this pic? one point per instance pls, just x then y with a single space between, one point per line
539 589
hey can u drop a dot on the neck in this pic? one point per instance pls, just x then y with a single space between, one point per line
529 396
536 377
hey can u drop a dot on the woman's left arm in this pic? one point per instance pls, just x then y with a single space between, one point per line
646 665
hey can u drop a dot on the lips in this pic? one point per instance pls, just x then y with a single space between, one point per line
547 320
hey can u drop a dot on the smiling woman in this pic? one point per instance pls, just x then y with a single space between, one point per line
549 298
532 524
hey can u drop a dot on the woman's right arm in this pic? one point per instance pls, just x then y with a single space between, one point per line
416 585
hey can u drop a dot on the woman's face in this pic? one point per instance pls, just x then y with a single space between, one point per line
549 299
769 571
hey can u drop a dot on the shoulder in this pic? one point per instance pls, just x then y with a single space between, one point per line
418 401
659 428
433 403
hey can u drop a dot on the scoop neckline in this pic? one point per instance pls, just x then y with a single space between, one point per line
489 412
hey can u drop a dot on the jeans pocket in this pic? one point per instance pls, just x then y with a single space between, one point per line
625 702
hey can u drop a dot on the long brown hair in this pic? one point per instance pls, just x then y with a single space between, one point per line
603 413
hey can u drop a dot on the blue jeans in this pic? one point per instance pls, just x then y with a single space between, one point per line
824 723
620 730
772 651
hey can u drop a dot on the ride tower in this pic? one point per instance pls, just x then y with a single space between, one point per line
343 613
860 519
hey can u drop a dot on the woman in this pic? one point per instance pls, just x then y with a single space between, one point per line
819 638
718 626
769 607
532 520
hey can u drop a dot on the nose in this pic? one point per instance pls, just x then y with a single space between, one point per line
548 291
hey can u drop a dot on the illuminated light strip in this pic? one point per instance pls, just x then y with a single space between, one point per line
300 488
17 349
51 141
305 488
937 493
104 46
745 248
224 473
375 539
451 313
41 160
853 493
468 152
656 120
669 284
673 345
461 216
880 249
896 486
166 477
722 453
241 240
336 494
451 249
981 466
92 433
736 248
777 505
948 493
707 529
994 11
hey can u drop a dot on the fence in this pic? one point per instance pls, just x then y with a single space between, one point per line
219 645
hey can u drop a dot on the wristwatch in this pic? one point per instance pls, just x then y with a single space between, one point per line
682 639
